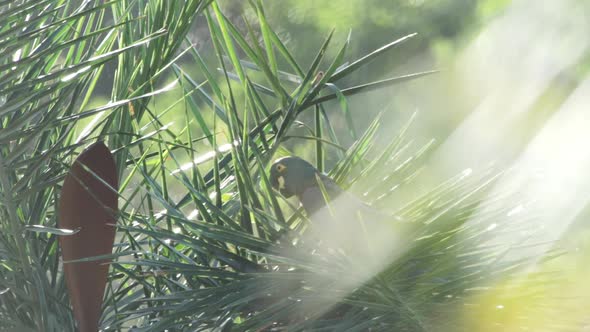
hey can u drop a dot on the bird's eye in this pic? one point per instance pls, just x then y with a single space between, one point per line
281 168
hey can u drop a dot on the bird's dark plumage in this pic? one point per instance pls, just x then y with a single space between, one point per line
293 176
338 218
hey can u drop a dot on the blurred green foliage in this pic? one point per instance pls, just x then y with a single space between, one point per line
372 23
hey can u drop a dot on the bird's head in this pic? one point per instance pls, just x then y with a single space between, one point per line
292 176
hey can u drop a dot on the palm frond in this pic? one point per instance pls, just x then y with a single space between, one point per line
203 241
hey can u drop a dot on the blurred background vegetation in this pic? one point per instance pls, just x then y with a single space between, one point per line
511 99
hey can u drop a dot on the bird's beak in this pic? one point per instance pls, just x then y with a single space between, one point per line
281 182
278 183
283 188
